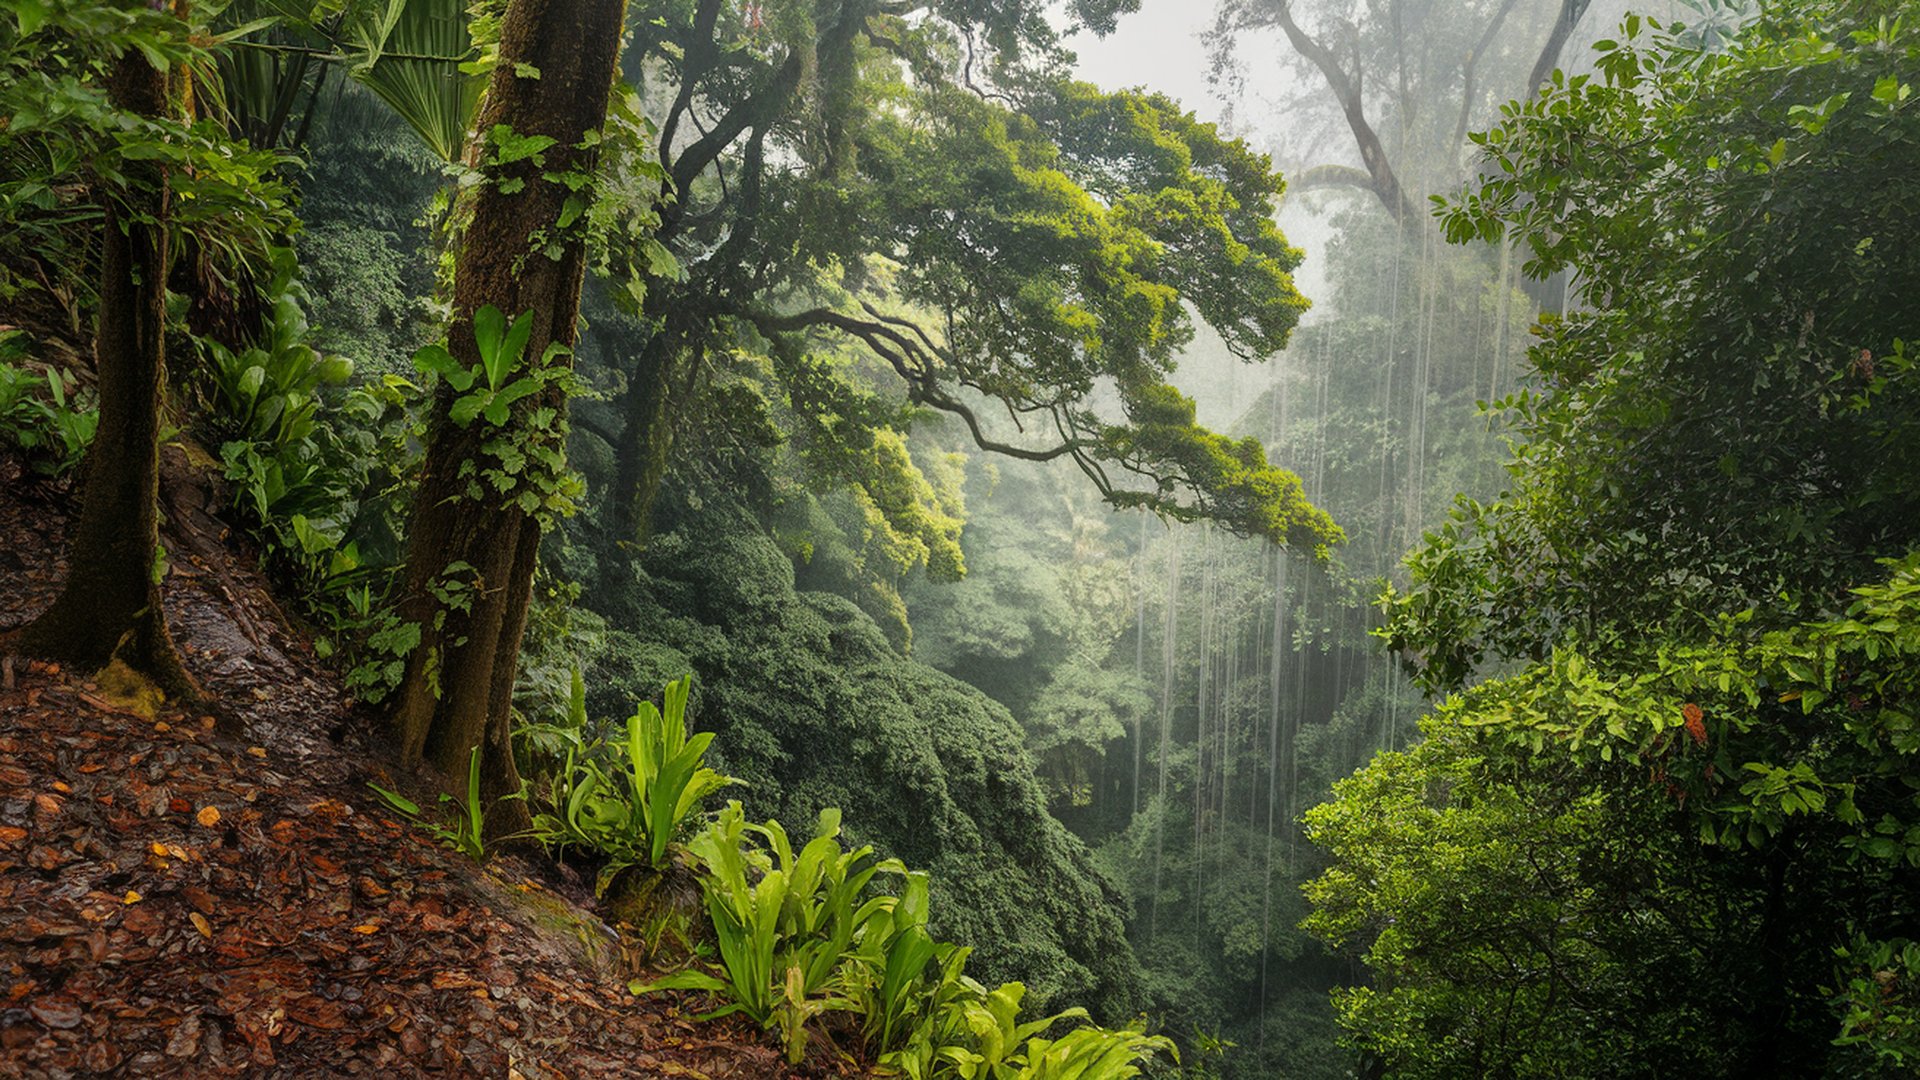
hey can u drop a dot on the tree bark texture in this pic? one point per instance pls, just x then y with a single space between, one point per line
110 603
458 687
640 458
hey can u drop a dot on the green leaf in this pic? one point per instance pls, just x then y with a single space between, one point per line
489 326
30 14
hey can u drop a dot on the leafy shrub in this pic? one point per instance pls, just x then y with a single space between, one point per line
784 921
51 430
799 937
628 808
316 466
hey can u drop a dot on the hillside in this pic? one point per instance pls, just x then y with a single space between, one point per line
188 902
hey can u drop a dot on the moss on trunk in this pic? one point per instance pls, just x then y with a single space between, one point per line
457 693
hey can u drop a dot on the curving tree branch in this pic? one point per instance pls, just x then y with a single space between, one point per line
1346 88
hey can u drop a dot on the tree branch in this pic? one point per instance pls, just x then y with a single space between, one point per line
1346 90
1473 62
1570 13
1329 176
914 364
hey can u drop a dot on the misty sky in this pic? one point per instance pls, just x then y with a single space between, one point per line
1158 47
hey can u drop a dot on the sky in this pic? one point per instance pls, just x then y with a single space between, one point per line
1158 47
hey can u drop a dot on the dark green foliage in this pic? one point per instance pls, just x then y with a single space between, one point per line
1734 424
366 248
1639 852
814 709
42 417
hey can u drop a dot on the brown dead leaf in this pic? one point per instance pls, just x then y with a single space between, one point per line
185 1041
101 1058
201 924
57 1012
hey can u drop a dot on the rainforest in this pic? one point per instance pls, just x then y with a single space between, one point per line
960 539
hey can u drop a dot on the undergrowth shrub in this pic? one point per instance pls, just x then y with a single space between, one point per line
804 941
625 802
318 467
43 416
802 936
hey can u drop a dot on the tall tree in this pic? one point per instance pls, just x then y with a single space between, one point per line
833 176
1639 850
96 84
479 512
110 602
918 184
1416 54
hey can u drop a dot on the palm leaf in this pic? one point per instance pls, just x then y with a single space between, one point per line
410 55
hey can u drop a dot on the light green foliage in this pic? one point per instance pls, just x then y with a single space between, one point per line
862 514
466 832
786 922
502 349
626 803
264 414
799 935
269 393
524 463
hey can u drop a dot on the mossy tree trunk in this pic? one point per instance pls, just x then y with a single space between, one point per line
646 442
109 605
557 64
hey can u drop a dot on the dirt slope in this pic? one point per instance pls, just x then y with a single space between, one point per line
176 902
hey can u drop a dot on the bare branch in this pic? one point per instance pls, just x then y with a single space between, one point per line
1346 90
1570 13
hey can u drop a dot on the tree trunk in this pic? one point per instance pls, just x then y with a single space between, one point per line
110 604
646 442
1563 24
557 64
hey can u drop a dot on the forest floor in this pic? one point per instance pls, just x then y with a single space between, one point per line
178 902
